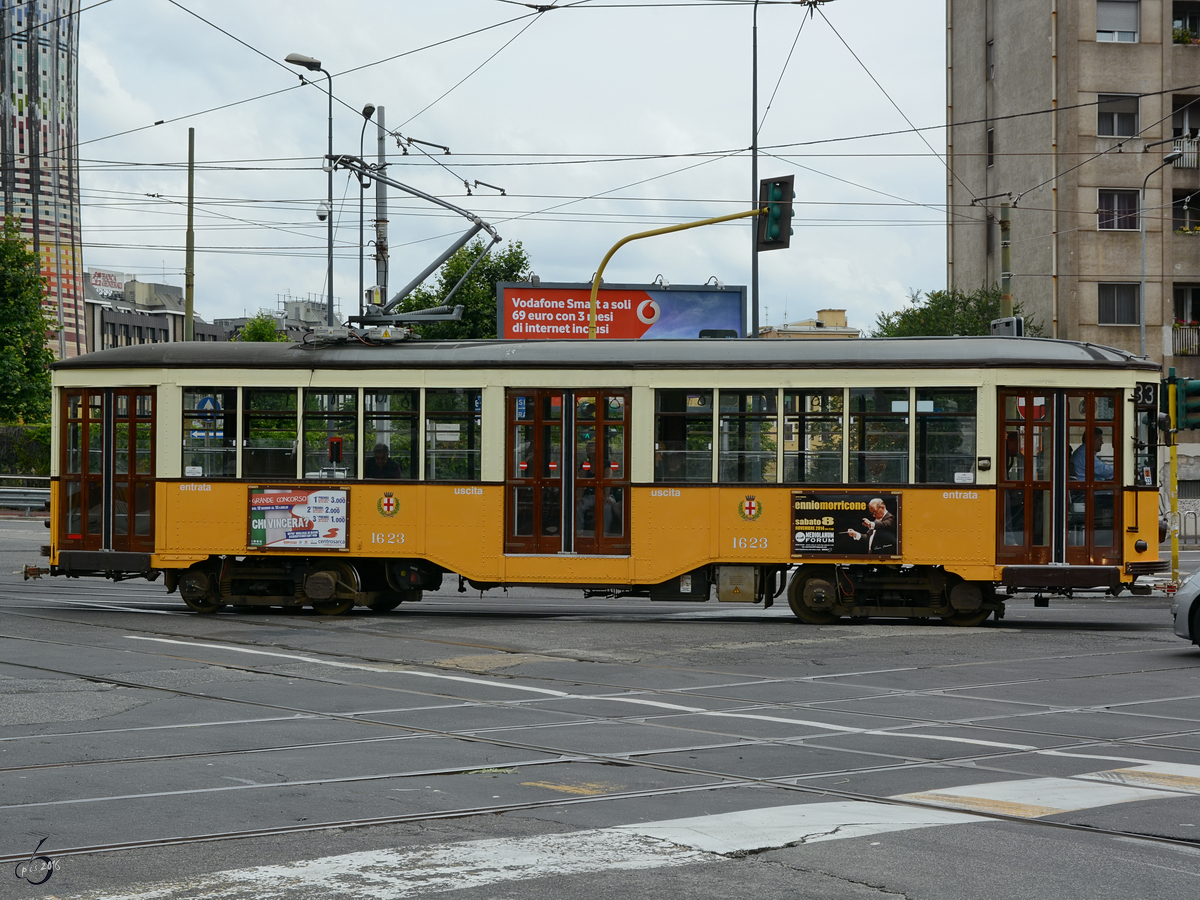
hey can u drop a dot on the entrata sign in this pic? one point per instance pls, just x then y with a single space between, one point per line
630 312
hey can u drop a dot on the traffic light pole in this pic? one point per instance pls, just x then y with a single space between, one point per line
645 234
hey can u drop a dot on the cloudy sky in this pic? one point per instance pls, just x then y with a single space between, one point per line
599 119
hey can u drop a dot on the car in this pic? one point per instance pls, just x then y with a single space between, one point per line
1185 608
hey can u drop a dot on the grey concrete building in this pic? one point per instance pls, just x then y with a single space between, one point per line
122 311
1070 107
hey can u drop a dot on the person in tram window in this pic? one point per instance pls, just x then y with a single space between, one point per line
381 465
1101 471
585 509
1014 459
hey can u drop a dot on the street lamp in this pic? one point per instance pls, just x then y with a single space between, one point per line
1167 160
367 112
314 65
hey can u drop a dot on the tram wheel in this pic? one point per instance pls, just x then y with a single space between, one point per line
967 619
336 576
387 603
198 592
815 587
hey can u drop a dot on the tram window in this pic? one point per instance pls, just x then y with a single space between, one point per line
748 437
269 433
812 436
683 423
452 426
331 433
946 435
209 432
878 438
390 422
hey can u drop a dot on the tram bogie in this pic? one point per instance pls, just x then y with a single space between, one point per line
912 479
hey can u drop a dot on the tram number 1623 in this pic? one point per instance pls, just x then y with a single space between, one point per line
749 543
387 537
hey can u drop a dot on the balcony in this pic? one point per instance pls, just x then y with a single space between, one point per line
1190 148
1185 340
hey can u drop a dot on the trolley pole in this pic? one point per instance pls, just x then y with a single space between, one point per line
645 234
1173 475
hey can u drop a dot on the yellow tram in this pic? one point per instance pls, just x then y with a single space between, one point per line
914 478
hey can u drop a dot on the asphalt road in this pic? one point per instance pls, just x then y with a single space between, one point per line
538 745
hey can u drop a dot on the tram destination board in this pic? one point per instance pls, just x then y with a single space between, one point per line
858 524
296 518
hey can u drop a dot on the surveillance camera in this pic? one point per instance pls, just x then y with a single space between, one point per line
323 211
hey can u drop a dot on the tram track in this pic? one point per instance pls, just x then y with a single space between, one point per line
558 755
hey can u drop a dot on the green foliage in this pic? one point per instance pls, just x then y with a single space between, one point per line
1183 36
25 450
478 293
262 328
24 356
948 313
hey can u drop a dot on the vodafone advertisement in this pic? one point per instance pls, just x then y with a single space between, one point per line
624 312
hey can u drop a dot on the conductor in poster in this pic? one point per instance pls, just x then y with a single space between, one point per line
846 525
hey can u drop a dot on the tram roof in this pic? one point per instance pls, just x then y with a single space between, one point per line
884 353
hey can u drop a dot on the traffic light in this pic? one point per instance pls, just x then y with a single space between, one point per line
1187 403
775 225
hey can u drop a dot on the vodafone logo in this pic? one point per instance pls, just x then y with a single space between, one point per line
648 312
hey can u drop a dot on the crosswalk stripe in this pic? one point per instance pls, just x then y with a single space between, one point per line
409 872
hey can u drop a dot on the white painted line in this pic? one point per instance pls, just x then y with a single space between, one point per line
782 826
396 874
1032 798
401 873
1176 777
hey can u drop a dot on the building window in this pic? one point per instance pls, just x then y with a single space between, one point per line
812 436
1117 115
1185 211
991 60
1187 304
991 147
1119 210
1185 23
1117 20
452 434
990 226
683 431
1118 304
945 435
749 437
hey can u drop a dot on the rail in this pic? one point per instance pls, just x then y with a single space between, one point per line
25 498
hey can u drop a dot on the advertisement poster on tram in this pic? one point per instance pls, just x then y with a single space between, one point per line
298 518
846 524
559 311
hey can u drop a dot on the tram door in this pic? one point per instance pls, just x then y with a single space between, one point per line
1060 458
567 479
107 469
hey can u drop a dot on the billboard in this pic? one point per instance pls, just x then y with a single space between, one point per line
624 311
298 518
846 524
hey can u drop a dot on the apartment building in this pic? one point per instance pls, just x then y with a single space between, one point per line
1067 109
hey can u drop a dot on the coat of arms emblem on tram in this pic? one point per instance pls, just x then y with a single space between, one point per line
387 504
750 509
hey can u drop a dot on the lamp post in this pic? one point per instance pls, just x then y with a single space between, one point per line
314 65
1167 160
367 112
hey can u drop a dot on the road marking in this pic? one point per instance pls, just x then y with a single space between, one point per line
396 874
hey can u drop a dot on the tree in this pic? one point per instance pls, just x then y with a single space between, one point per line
948 313
262 328
478 293
24 355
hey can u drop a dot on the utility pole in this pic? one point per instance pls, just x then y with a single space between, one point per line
1006 300
381 211
189 270
754 174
